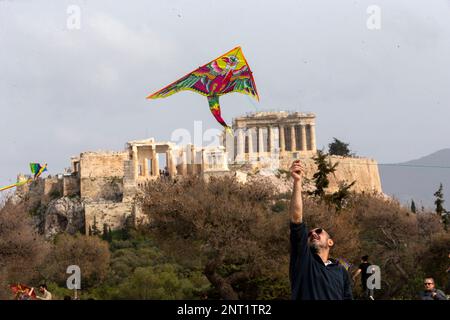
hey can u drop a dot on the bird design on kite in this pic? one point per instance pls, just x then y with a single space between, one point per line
228 73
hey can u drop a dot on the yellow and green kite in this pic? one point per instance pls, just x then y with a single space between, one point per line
36 170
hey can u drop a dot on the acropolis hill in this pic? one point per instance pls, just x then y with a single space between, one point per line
105 183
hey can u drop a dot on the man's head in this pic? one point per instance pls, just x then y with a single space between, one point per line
428 283
42 288
365 258
319 240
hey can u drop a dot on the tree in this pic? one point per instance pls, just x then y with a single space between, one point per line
413 206
162 282
439 202
95 231
22 249
440 210
339 197
320 178
105 232
435 259
339 148
321 181
225 229
91 254
110 236
229 233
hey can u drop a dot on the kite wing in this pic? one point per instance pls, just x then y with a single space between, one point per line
228 73
194 81
242 83
241 79
37 169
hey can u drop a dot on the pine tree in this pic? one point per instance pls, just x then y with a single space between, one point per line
105 232
440 210
413 206
439 202
320 178
110 236
95 231
339 148
90 231
339 197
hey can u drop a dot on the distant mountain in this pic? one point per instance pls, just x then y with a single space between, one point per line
418 179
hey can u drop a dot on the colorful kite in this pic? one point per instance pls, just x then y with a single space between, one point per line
228 73
36 170
22 292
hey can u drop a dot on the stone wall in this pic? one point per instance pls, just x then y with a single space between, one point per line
113 214
71 186
101 176
53 187
363 170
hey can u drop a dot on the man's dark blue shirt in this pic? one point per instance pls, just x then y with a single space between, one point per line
310 278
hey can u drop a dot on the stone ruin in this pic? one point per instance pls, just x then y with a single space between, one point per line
264 143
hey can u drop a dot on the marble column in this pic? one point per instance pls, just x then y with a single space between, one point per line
271 140
135 162
293 144
250 143
281 133
171 163
193 160
155 165
168 161
261 144
183 163
145 167
240 145
312 134
205 164
304 145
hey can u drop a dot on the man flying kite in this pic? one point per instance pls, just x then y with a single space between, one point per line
228 73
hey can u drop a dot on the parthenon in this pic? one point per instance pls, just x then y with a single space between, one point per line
283 135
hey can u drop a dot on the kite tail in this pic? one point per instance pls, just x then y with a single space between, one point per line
8 187
18 184
214 106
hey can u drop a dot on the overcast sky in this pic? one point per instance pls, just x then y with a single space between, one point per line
64 91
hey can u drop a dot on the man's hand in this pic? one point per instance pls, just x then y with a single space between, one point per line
297 171
296 207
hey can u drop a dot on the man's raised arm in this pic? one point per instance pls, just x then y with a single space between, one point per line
296 207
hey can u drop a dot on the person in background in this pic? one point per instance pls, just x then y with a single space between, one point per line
362 269
430 292
46 295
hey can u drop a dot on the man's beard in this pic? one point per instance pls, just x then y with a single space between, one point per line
315 247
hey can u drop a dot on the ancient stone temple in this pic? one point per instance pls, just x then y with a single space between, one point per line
280 136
